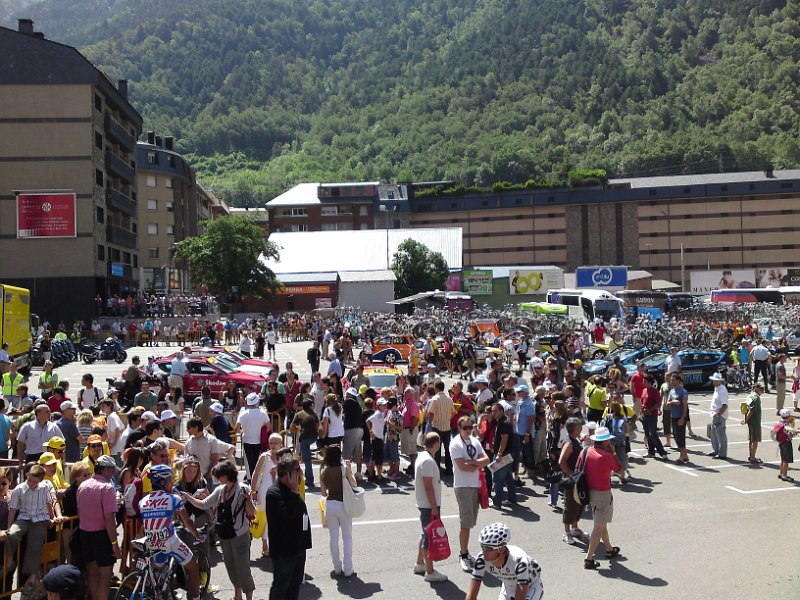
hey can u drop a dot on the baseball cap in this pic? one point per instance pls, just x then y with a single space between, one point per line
785 413
105 461
168 414
149 415
363 389
94 439
66 579
591 425
382 401
540 389
217 408
351 391
522 388
431 366
252 399
577 362
57 443
48 458
481 379
66 405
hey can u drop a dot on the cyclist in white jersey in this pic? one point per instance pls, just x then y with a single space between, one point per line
519 573
158 509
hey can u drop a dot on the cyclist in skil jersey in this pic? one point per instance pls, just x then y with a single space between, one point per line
158 510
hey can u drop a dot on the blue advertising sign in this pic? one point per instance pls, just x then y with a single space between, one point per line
117 269
602 277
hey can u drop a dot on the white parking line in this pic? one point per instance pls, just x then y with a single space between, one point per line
684 470
764 491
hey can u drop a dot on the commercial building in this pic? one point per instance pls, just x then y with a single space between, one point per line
339 207
68 189
172 205
670 226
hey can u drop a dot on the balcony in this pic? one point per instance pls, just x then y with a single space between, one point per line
119 201
118 134
119 236
119 168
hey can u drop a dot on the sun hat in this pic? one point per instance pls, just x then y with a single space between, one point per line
601 435
168 414
716 377
66 405
481 379
785 413
252 399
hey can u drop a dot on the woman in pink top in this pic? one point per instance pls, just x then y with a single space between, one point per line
601 461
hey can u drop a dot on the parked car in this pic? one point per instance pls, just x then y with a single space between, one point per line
211 372
628 356
697 365
392 348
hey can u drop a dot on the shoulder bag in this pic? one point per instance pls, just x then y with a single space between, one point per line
354 504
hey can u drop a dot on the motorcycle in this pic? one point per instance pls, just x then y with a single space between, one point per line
112 349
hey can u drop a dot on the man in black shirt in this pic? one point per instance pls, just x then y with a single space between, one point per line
353 432
503 466
314 355
289 530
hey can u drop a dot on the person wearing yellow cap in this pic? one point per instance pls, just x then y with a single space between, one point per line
94 447
51 471
362 394
57 446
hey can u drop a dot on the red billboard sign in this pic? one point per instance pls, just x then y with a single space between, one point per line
43 215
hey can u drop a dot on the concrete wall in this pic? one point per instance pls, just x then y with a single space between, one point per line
369 295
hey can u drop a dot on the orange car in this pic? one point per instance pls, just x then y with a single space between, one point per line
392 348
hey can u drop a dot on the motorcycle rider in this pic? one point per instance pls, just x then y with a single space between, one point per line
133 379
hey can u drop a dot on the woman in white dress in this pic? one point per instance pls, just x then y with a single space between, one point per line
263 477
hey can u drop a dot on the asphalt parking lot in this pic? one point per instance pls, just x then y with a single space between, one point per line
709 529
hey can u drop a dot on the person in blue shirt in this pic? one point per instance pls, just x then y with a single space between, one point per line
526 418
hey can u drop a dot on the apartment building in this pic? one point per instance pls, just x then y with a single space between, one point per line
68 188
173 205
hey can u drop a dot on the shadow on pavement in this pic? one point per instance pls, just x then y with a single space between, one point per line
616 570
447 590
355 587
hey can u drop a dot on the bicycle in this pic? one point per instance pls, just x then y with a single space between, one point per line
149 581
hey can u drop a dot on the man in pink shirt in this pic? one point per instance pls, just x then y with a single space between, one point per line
97 509
601 461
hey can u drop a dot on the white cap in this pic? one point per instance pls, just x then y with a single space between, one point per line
149 415
252 399
168 414
217 408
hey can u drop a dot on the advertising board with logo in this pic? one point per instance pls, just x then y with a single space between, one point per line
477 282
304 289
46 215
703 282
525 282
602 277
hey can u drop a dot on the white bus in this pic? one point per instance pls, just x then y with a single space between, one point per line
587 305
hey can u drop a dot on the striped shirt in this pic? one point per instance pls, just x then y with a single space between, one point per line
441 410
31 504
36 436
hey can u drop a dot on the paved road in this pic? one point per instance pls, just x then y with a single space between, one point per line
711 529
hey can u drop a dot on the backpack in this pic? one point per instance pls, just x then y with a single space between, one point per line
96 395
578 482
778 433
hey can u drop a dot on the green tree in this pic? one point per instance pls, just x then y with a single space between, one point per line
227 257
418 269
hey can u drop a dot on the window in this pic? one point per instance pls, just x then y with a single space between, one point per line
126 258
365 226
101 252
170 230
98 102
363 211
98 140
98 177
299 212
329 227
170 207
168 182
114 254
299 227
152 205
329 211
134 228
135 261
151 181
152 157
170 160
152 229
101 215
152 252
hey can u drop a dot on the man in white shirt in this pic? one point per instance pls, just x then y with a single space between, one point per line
89 395
271 340
250 422
484 393
177 371
5 359
673 362
536 361
428 493
719 414
431 376
114 430
468 459
760 355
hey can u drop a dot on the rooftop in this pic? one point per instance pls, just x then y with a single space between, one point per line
705 179
361 250
356 276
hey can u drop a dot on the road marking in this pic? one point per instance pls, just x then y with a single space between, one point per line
765 491
408 520
684 470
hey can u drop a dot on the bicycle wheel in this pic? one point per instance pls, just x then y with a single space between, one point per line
135 586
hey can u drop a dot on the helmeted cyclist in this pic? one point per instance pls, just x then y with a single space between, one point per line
519 573
158 509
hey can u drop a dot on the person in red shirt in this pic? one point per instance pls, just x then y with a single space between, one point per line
599 333
637 389
651 408
601 461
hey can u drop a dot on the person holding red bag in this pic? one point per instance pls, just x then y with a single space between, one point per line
428 484
468 459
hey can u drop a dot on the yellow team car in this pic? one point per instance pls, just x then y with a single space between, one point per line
381 377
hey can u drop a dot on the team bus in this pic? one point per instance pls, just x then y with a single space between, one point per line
639 302
778 296
588 305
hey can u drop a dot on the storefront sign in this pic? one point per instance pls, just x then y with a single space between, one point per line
477 282
46 215
305 289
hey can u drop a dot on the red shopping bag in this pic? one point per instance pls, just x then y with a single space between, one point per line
483 490
438 544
